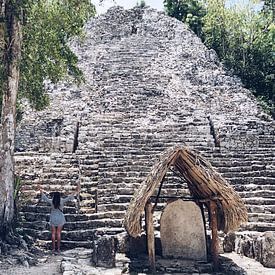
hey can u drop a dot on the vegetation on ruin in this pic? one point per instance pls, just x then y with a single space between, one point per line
141 4
242 35
47 27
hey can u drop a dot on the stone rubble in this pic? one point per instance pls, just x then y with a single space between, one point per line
255 245
78 261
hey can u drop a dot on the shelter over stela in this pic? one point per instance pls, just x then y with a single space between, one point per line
207 187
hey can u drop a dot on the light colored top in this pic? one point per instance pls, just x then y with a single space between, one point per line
57 217
62 201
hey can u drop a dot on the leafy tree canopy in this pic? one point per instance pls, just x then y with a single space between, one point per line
188 11
141 4
48 26
243 37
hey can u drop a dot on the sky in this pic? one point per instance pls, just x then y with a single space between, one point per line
101 8
157 4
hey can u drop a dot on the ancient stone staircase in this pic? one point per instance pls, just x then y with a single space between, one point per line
251 173
57 172
152 86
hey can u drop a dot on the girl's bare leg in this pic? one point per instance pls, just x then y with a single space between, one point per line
59 229
53 238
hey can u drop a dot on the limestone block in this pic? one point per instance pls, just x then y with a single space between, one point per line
268 249
229 242
122 242
104 252
244 246
182 231
257 247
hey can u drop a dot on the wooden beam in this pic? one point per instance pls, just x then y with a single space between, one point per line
157 198
150 236
214 231
184 198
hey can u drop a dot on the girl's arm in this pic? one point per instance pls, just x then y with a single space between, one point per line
45 198
71 197
68 198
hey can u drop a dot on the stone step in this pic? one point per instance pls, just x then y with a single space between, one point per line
66 235
59 176
33 189
140 265
260 208
112 207
44 209
82 203
254 187
35 200
111 231
254 174
87 204
91 165
84 179
116 198
223 153
259 226
242 162
108 215
89 173
87 193
113 183
253 180
30 154
244 168
261 217
87 163
259 201
258 194
49 182
30 217
65 244
88 224
86 210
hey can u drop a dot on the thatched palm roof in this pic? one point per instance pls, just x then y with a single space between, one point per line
204 183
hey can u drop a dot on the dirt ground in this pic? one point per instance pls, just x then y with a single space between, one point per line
50 265
251 266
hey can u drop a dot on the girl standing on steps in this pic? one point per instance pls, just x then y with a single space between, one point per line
57 218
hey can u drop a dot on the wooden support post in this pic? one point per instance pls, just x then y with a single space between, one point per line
150 236
215 239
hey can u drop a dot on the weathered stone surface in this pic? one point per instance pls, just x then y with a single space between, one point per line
150 84
104 252
259 246
182 231
229 242
268 249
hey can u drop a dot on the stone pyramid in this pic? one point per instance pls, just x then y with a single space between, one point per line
150 84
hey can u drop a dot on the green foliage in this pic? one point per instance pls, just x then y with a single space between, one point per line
141 4
243 38
48 26
190 12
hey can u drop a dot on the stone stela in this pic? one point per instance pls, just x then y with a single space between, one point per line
182 231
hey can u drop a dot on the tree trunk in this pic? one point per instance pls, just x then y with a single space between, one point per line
10 47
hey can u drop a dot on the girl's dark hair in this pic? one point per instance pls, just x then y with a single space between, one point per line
56 199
